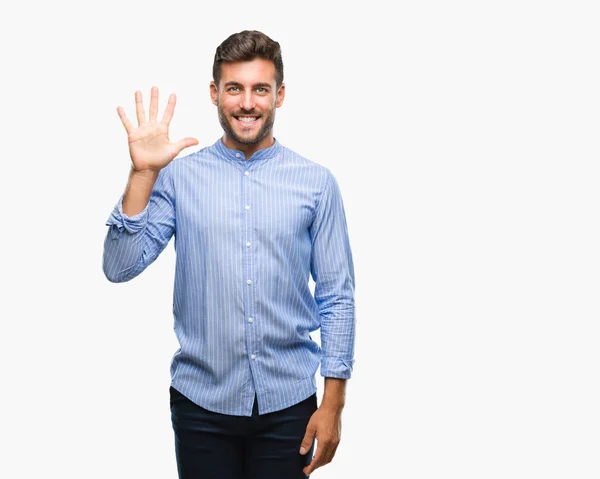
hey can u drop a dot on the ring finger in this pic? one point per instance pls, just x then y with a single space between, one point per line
139 108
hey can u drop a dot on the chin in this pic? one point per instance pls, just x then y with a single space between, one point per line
247 137
247 141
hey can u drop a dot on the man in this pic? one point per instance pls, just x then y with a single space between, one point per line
252 219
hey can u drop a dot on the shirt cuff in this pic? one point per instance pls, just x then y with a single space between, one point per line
332 367
132 224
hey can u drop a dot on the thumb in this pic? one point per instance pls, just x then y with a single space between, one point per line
186 142
308 438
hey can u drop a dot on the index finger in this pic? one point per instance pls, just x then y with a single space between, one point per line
317 460
166 119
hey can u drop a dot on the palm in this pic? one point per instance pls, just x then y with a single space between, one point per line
149 144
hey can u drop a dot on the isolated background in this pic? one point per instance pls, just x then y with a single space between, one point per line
464 137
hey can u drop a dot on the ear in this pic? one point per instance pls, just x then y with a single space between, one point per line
280 96
214 93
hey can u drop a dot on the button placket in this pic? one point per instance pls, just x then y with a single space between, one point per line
249 271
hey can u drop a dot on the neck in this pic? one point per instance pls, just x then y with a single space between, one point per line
251 148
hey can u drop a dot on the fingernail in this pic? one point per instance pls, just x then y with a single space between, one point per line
302 450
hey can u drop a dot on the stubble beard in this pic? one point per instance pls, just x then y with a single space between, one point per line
264 130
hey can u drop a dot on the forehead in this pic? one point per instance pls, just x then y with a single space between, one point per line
258 70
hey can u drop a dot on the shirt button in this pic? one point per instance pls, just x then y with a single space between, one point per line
237 155
249 281
253 356
246 173
248 244
250 320
247 207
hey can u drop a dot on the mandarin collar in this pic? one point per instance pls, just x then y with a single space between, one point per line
240 157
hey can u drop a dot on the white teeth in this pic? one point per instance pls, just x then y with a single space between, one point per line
247 119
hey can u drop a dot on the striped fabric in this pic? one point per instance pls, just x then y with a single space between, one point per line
247 235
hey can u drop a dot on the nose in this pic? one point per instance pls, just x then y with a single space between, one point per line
247 101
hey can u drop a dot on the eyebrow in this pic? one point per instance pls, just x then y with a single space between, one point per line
234 83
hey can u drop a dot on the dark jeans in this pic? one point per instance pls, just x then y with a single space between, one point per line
212 445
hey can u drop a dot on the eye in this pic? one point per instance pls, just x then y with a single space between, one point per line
264 90
232 88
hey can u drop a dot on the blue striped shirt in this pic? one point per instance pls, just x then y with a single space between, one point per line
247 235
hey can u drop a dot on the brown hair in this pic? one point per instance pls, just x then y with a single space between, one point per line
246 46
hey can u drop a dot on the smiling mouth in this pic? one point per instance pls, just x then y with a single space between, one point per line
247 120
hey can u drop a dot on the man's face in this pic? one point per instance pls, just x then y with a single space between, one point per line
246 100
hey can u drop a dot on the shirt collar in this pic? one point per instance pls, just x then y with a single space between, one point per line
240 157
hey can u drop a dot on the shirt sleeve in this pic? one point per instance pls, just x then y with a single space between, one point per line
132 243
332 270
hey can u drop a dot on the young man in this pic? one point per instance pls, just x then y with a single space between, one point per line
252 219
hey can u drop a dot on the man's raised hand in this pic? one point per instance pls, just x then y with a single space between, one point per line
149 145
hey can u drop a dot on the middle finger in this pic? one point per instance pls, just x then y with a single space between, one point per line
153 103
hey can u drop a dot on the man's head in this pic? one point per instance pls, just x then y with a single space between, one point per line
247 86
